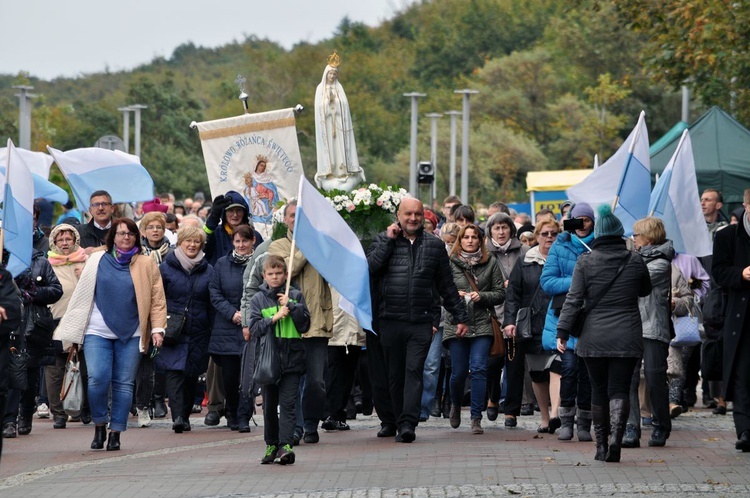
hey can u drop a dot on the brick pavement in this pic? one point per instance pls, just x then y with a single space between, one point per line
699 460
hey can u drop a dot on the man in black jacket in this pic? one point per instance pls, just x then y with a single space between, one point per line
409 264
731 270
10 319
94 233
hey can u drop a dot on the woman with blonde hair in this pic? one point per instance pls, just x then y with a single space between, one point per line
186 275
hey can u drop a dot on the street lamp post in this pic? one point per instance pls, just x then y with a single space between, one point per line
465 145
413 160
452 180
137 110
434 116
125 127
24 115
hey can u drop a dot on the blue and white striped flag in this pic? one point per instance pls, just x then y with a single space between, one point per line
330 245
90 169
675 199
18 212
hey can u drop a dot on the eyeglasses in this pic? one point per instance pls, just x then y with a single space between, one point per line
548 234
63 241
155 227
125 234
97 205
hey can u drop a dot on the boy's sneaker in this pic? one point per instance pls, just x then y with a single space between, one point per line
144 419
270 456
42 411
285 456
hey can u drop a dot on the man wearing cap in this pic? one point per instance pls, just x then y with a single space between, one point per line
94 233
69 211
228 211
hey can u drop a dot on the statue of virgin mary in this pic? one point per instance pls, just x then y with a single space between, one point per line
338 164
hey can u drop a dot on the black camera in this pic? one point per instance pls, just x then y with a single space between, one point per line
573 224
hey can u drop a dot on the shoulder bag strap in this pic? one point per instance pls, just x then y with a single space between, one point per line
474 287
593 304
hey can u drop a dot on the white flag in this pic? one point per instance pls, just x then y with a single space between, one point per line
255 154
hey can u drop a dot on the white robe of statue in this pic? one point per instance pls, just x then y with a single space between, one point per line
338 163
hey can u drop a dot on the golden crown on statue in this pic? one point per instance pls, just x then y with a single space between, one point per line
334 60
261 158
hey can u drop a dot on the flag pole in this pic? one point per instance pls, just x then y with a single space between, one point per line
7 170
631 148
294 238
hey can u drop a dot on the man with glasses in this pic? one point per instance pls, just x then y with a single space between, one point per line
94 233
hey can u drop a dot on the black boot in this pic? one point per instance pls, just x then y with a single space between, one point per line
600 417
24 425
618 416
100 435
113 443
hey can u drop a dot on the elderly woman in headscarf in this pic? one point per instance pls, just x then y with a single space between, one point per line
507 249
67 258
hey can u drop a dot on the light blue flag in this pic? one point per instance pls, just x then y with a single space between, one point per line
42 188
330 245
676 201
630 162
90 169
18 212
634 188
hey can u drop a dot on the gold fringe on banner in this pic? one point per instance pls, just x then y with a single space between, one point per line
247 128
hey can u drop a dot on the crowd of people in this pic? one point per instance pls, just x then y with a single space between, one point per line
172 307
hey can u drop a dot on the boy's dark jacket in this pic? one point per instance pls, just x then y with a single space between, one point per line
292 351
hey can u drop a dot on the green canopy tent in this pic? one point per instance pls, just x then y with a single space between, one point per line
721 148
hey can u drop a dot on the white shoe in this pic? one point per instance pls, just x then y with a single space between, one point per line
42 411
144 419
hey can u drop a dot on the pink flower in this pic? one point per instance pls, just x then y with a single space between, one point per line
350 207
380 202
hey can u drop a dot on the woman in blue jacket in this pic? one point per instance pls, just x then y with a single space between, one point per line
186 275
570 373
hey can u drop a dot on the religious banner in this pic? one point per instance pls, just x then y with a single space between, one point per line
256 155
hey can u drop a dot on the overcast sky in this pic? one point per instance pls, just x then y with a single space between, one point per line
74 37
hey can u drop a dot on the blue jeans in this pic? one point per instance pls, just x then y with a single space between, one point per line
431 372
470 355
115 363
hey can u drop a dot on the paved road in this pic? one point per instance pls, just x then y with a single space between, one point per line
699 460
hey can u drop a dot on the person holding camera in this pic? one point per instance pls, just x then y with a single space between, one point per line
575 387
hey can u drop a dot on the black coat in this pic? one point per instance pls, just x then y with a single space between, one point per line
92 236
523 286
731 255
613 327
190 354
407 273
226 296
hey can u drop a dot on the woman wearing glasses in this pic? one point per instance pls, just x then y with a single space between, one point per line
117 312
524 291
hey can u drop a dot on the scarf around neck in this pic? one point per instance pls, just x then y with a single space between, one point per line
77 256
188 264
503 247
240 259
158 253
124 258
471 258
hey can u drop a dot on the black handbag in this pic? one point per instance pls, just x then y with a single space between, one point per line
176 321
525 319
19 358
268 367
39 327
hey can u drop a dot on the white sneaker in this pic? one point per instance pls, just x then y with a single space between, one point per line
42 411
144 419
